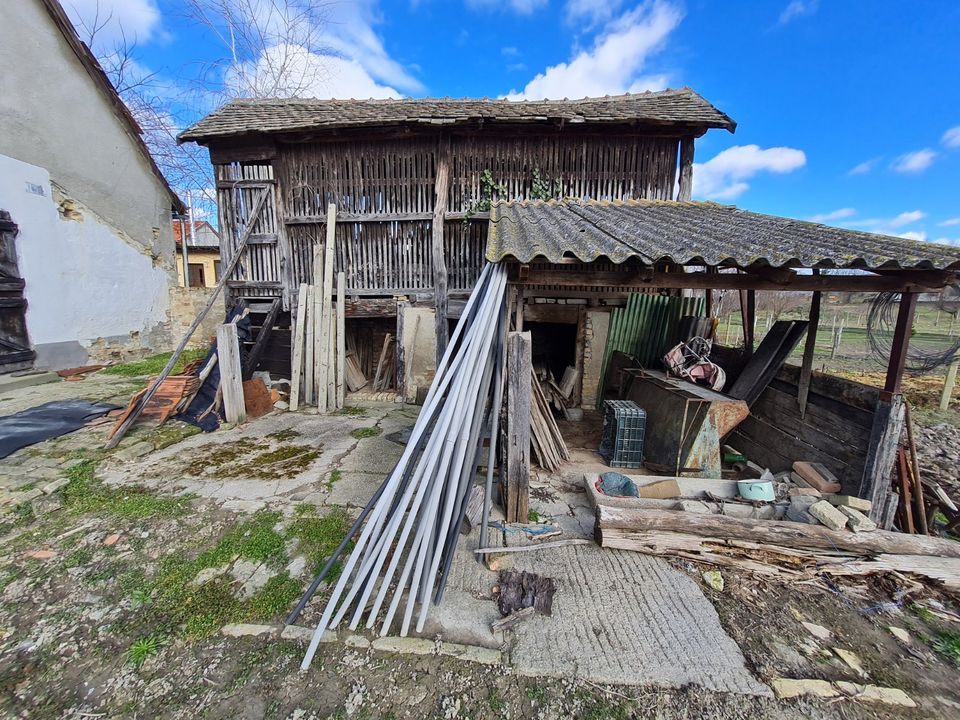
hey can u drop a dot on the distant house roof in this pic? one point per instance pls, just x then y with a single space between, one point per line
205 236
695 233
100 79
666 107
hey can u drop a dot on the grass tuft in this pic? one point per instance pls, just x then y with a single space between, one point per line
352 411
143 648
365 432
319 536
154 364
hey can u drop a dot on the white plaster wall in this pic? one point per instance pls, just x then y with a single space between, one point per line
54 116
84 282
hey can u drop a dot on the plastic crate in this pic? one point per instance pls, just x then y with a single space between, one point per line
624 424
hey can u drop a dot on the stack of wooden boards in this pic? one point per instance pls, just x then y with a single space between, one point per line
319 342
545 438
172 396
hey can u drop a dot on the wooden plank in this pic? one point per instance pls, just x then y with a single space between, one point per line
341 340
441 193
263 337
882 453
797 536
399 354
323 380
231 381
310 347
809 348
299 337
519 370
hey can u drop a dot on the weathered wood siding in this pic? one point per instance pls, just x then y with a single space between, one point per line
384 190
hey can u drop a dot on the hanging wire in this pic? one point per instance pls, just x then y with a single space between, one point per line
881 321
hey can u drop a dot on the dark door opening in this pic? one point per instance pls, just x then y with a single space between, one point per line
554 346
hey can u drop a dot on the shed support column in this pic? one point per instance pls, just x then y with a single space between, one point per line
748 314
439 262
399 356
685 188
901 342
806 367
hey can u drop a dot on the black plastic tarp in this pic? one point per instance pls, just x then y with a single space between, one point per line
46 421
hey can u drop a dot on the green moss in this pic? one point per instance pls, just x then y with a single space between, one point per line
78 558
233 460
84 494
319 536
365 432
332 479
154 364
284 435
352 411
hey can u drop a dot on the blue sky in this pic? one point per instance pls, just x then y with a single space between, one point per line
848 112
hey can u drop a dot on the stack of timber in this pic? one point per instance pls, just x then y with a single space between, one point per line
383 379
171 396
912 512
319 341
786 550
548 445
411 527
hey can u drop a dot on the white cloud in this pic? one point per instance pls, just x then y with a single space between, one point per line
614 63
797 9
591 13
724 176
949 222
914 235
864 167
137 20
914 162
292 70
905 218
509 51
523 7
890 226
947 241
951 138
839 214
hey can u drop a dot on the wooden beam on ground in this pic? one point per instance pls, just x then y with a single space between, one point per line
238 251
231 380
685 185
809 348
784 534
916 281
442 188
299 337
519 369
901 342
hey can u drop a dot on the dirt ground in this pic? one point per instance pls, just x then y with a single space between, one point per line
115 585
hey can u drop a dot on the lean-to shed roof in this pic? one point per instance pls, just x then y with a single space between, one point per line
697 233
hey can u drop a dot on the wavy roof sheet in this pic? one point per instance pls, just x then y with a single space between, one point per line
665 107
695 233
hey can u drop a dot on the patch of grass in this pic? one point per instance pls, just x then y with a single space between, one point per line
923 613
139 598
319 536
600 707
352 411
365 432
79 557
84 494
495 702
231 460
199 611
143 648
154 364
533 516
536 693
948 645
332 479
23 514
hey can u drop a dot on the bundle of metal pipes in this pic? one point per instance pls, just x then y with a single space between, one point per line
414 519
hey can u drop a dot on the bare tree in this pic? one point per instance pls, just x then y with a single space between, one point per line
271 48
778 302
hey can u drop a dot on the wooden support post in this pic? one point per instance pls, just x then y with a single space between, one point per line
341 338
748 314
519 369
323 380
901 342
809 349
948 384
685 186
310 347
882 453
231 381
439 258
299 336
399 352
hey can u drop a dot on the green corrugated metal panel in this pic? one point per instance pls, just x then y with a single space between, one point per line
646 328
